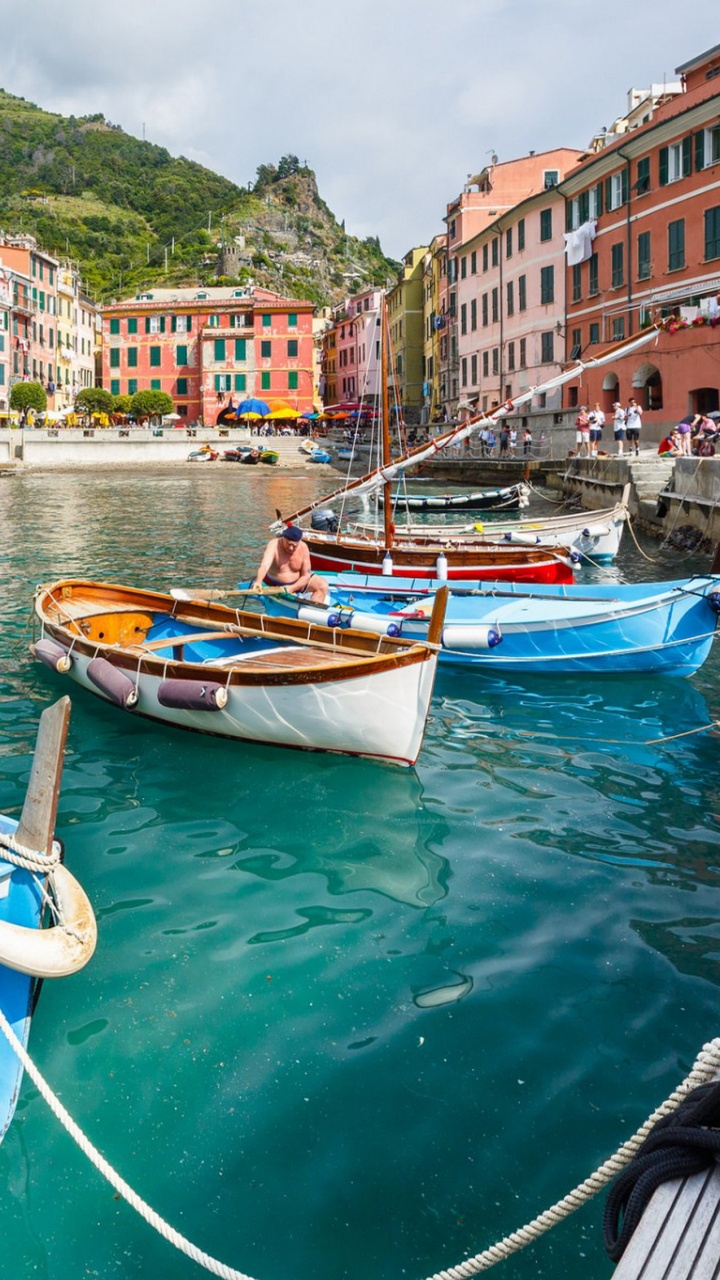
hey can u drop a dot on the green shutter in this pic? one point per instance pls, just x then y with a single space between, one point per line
624 186
292 381
241 348
568 219
240 382
181 355
189 323
219 345
173 323
608 193
598 199
182 386
583 207
265 381
162 324
115 388
700 149
663 166
687 156
147 324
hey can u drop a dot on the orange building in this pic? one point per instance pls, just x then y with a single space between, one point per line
642 245
205 347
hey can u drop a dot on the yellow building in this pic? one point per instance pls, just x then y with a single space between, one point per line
406 322
434 336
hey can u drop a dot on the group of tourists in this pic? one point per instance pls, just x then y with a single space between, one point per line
695 435
506 440
626 422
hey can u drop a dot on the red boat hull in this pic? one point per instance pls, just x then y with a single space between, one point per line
545 568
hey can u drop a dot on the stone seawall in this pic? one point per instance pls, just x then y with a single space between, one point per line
108 446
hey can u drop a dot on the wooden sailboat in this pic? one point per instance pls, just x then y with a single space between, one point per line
393 552
235 674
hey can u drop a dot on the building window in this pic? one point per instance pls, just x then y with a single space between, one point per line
707 147
485 309
576 343
265 350
551 177
618 328
463 268
132 357
485 257
643 256
546 224
495 252
496 360
509 243
642 184
511 356
617 265
292 348
132 324
114 326
115 387
293 380
265 381
180 324
240 381
675 161
181 356
594 334
486 364
463 372
616 190
510 296
521 235
523 353
676 245
712 233
522 293
546 348
114 357
155 357
547 285
495 305
463 317
223 381
182 386
155 384
473 313
219 349
473 371
267 321
577 282
593 287
473 263
132 386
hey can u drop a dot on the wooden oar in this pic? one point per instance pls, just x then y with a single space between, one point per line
189 593
37 821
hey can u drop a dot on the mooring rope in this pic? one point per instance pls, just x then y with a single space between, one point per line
707 1065
29 859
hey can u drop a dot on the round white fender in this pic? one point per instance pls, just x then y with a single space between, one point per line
596 530
470 637
62 949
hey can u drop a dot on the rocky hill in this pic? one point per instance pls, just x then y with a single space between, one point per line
131 215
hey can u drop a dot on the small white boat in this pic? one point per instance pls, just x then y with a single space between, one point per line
232 673
33 882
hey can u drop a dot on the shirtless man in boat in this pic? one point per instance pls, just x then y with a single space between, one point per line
286 563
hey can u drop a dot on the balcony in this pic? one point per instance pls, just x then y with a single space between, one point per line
24 306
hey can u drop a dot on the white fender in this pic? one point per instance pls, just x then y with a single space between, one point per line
62 949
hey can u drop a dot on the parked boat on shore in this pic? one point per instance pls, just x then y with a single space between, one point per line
33 879
662 627
202 666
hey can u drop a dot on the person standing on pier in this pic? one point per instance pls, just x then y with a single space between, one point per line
619 427
596 418
633 423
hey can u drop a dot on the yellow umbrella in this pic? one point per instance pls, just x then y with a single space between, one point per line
282 413
251 415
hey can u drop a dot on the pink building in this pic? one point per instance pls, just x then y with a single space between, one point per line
205 347
505 244
351 349
33 319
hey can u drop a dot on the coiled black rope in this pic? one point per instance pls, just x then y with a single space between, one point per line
683 1143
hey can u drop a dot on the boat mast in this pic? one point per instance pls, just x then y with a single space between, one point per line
387 488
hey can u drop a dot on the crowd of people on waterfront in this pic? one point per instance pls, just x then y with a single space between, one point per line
695 435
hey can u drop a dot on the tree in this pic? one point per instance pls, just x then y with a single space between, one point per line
28 395
94 400
151 404
122 404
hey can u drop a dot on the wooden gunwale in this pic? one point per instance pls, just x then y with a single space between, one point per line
425 551
352 657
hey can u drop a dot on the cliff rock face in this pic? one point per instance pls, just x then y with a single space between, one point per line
131 215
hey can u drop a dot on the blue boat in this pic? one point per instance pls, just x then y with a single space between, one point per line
29 952
661 627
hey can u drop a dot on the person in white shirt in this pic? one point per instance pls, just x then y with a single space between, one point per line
633 423
619 427
597 422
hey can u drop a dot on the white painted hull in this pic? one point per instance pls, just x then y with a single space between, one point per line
381 716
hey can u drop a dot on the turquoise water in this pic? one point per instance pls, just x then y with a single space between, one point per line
267 1043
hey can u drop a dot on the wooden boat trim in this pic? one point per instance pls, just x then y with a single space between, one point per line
354 654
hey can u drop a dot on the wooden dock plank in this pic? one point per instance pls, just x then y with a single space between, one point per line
678 1237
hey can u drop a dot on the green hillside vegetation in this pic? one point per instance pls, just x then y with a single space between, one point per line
132 216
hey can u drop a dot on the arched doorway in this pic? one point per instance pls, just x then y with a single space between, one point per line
704 400
610 393
648 383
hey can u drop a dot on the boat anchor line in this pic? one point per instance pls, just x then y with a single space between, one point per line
705 1068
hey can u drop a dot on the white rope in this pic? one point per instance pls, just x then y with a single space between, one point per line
29 859
165 1230
706 1067
707 1064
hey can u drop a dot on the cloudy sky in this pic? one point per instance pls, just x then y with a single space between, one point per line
392 102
